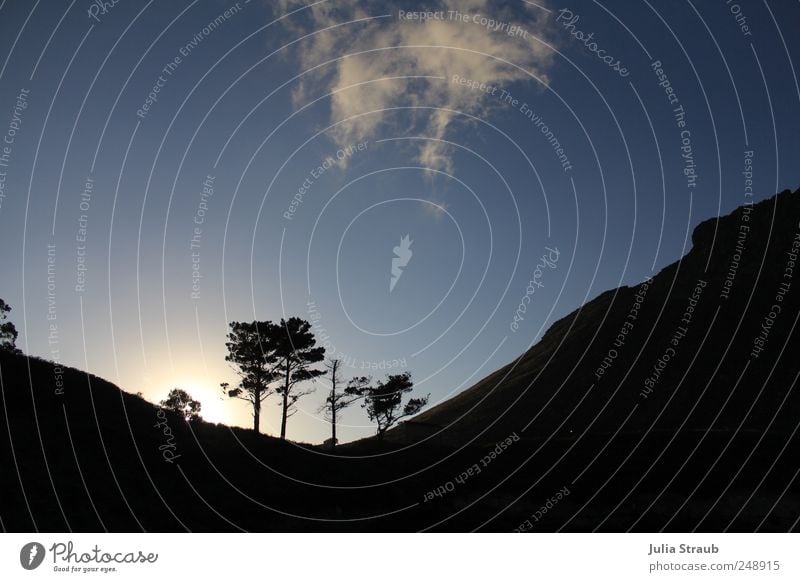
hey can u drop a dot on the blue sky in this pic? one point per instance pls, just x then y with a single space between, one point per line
259 101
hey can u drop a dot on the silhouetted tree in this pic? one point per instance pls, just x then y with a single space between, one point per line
339 400
181 401
8 333
251 350
295 350
384 401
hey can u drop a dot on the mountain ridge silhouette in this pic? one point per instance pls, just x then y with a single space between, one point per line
598 322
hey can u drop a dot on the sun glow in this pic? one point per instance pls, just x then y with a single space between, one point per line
214 407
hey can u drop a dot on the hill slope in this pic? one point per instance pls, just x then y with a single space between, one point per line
672 348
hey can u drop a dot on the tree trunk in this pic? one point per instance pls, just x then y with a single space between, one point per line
285 402
333 404
283 416
257 414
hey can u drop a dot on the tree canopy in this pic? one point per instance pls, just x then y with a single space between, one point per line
384 401
180 401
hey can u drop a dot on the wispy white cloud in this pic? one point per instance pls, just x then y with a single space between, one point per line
484 48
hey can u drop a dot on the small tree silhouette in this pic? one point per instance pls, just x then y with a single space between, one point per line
339 400
295 350
8 333
181 401
384 402
251 351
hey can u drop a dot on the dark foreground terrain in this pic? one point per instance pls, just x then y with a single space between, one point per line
686 420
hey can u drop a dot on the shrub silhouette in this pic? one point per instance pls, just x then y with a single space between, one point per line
180 401
8 333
